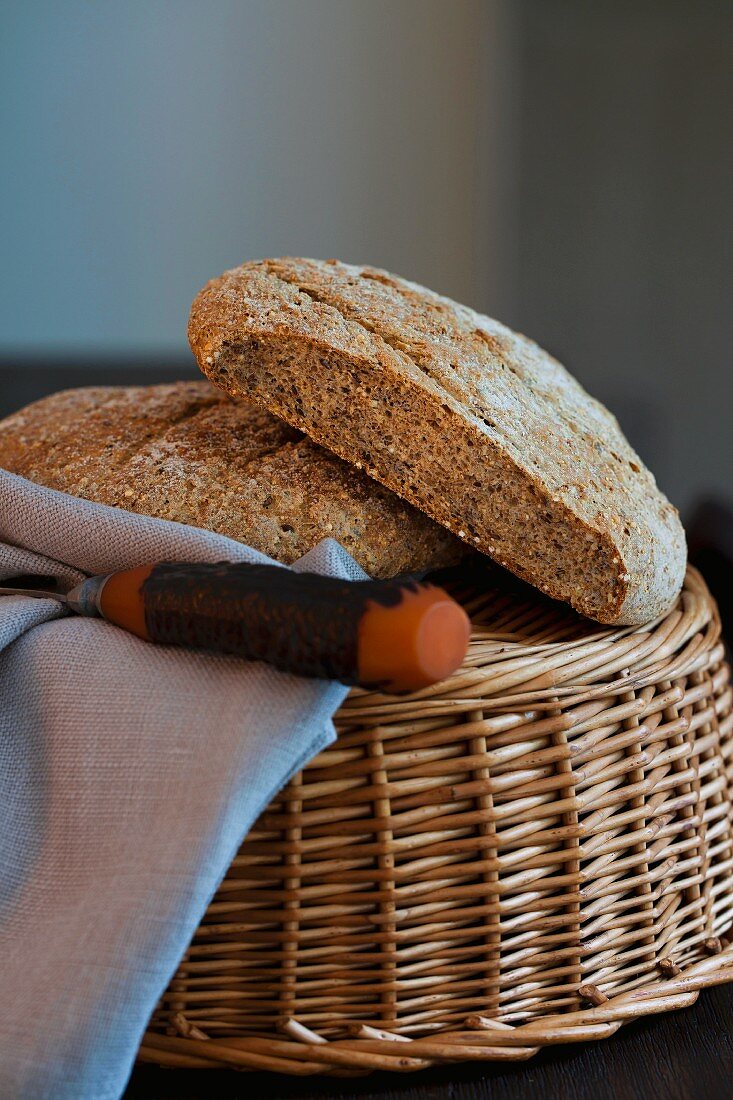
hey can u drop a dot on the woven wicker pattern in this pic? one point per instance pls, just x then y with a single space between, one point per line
531 852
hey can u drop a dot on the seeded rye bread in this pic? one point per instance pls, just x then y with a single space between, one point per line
467 420
187 452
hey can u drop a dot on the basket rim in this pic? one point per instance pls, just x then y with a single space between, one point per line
565 658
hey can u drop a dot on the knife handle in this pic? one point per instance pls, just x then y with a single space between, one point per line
398 636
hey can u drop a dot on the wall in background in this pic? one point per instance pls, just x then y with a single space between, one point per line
565 166
625 219
157 142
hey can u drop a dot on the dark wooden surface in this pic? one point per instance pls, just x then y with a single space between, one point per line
685 1055
24 379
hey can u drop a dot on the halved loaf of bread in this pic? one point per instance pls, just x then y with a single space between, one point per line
189 453
470 422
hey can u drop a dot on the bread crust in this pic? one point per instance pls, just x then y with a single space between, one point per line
189 453
469 421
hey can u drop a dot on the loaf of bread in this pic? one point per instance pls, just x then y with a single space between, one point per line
472 423
189 453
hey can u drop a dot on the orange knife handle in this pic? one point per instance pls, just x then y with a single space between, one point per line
121 600
116 597
396 635
414 643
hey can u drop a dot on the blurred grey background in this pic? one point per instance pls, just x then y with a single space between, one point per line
565 166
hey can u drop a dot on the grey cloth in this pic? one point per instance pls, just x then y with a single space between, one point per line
129 775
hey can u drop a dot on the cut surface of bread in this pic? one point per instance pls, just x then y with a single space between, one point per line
469 421
189 453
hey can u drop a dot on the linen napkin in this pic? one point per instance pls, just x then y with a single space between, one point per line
129 775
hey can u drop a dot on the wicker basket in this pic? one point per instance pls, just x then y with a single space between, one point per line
533 852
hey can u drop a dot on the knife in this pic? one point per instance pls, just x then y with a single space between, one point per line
397 636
